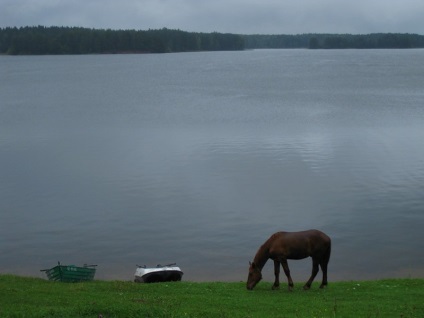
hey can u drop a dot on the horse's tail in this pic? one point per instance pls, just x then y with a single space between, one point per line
327 253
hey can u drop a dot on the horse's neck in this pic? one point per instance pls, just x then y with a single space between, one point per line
261 256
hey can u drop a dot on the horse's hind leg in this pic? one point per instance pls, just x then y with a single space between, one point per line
315 270
323 265
287 272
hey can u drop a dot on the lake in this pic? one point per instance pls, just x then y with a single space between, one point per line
197 158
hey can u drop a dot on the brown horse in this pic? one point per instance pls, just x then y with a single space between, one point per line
282 246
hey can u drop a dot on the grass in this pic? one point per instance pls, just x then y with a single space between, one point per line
33 297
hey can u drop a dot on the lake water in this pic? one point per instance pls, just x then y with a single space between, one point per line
197 158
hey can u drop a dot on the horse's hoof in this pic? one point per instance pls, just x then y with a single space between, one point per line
275 287
306 287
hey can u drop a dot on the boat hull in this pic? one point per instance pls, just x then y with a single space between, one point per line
158 275
70 273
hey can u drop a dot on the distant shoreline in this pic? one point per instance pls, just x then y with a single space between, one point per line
42 40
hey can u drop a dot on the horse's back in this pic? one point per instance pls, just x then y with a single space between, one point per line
300 244
319 235
309 234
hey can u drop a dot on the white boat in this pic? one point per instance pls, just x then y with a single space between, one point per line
167 273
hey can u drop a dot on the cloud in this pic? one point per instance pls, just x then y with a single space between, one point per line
234 16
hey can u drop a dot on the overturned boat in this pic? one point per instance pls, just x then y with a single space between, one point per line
166 273
70 273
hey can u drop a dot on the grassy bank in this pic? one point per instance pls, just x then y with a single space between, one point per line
32 297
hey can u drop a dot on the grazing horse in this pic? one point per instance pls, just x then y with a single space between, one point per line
282 246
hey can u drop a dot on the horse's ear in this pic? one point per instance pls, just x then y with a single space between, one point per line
253 265
250 263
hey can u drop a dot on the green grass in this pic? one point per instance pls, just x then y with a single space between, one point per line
32 297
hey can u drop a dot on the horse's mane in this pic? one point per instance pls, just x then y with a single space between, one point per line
262 255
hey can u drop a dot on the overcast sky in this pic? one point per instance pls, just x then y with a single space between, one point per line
227 16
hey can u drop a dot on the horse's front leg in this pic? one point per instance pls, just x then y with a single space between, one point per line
277 274
315 270
287 272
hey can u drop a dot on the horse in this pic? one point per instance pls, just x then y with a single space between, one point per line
282 246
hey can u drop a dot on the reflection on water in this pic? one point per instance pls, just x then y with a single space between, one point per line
200 161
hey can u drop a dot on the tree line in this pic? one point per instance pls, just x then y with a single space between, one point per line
75 40
336 41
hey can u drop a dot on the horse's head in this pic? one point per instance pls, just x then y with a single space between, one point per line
254 277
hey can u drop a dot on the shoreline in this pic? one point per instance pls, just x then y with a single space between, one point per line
33 297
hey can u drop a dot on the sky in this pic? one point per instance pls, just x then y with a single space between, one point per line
225 16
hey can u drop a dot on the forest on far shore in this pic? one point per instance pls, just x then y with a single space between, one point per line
336 41
40 40
67 40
